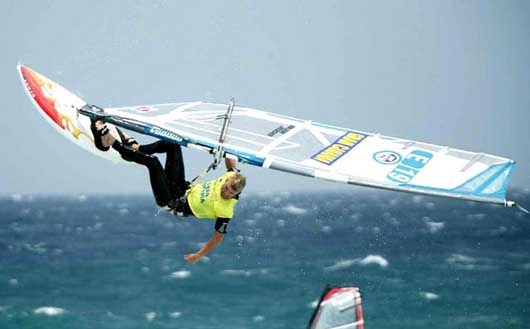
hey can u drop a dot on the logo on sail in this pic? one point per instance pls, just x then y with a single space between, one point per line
159 132
387 157
339 148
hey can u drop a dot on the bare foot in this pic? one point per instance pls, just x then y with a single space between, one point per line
106 139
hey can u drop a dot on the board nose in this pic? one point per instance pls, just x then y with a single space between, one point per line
40 89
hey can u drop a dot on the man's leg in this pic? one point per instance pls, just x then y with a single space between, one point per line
174 168
159 181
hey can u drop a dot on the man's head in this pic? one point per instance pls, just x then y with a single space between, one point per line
233 185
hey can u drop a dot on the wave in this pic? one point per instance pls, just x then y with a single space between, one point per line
182 274
430 295
49 311
294 210
368 260
150 316
432 226
245 273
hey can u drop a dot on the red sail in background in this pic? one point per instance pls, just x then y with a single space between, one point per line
339 308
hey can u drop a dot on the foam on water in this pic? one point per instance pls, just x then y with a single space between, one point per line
430 295
294 210
182 274
49 311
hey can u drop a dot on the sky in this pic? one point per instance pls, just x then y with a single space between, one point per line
453 73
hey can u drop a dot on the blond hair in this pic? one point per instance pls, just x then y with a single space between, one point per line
238 182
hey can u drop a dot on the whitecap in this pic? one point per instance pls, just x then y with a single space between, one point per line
250 222
245 273
433 227
368 260
49 311
250 239
17 197
499 231
460 259
374 259
342 264
13 282
37 248
258 318
313 304
183 274
293 210
464 262
150 316
430 295
175 315
326 229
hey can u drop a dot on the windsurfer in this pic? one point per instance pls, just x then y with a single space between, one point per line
214 199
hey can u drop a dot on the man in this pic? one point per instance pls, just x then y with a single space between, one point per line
213 199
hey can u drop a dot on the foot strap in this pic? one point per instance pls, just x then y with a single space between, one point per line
98 134
126 141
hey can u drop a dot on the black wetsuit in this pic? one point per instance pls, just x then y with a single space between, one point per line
168 183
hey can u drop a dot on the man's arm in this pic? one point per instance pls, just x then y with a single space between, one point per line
209 246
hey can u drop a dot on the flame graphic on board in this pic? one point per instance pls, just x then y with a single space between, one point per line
44 93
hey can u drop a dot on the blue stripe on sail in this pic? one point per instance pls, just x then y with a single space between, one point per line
163 134
170 136
476 186
245 157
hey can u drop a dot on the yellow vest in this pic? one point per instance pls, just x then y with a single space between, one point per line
205 199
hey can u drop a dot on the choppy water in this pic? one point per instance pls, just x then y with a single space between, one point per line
111 262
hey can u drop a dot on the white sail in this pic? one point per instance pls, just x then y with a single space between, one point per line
317 150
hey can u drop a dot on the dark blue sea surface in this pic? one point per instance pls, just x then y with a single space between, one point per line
113 262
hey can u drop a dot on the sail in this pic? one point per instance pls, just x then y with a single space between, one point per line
339 308
322 151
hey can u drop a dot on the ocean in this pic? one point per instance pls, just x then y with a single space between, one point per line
87 261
